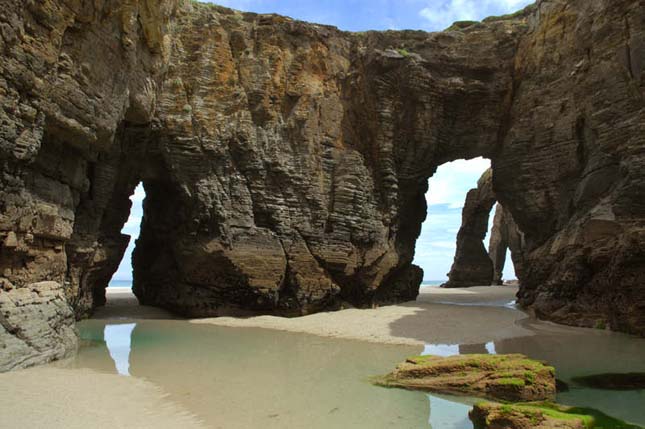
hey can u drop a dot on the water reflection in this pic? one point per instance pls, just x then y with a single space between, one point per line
448 414
458 349
440 349
118 339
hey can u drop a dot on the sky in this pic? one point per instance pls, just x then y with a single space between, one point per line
362 15
448 187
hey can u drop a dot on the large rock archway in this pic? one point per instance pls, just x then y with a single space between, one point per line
286 162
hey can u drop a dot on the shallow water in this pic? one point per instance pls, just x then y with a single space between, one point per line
252 378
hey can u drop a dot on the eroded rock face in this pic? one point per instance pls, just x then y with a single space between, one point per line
472 265
576 134
505 235
36 325
285 163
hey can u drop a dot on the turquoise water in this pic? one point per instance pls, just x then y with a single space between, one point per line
256 378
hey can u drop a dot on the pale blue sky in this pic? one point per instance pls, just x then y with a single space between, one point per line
448 188
361 15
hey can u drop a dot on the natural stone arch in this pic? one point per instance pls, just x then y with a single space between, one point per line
310 148
473 265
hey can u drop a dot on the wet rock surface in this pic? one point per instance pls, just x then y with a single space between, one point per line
511 377
285 163
487 415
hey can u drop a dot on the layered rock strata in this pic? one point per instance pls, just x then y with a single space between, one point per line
285 163
505 235
472 265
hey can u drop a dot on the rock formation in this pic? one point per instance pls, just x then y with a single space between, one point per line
472 265
511 377
505 235
541 415
285 163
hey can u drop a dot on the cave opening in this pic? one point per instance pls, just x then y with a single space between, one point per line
464 239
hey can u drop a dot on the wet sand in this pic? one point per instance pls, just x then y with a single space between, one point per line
477 315
115 401
123 305
70 399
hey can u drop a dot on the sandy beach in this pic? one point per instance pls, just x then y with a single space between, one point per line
63 401
448 316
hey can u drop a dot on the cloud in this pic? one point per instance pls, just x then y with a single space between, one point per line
453 180
440 15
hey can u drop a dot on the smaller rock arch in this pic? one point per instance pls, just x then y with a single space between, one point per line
473 264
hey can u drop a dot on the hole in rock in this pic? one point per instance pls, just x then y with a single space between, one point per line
454 197
121 282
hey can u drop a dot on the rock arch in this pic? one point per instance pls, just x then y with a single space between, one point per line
293 158
474 265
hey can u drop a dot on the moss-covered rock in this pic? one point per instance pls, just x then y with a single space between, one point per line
541 415
512 377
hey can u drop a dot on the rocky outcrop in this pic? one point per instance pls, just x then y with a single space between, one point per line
511 377
36 325
472 265
576 134
285 163
505 235
541 415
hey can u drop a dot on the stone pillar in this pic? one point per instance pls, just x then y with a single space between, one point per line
504 235
472 265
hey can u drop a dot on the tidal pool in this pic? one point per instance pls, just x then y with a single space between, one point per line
259 378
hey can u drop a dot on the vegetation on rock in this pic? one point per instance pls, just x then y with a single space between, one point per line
512 377
542 415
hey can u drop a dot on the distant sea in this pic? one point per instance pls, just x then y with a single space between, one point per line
432 283
120 283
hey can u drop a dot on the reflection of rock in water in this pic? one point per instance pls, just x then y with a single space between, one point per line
444 414
466 349
118 341
440 349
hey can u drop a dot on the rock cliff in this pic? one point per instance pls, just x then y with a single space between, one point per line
285 163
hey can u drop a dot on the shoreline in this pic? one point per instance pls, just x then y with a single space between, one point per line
438 316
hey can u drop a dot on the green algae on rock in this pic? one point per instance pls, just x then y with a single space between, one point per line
511 377
541 415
